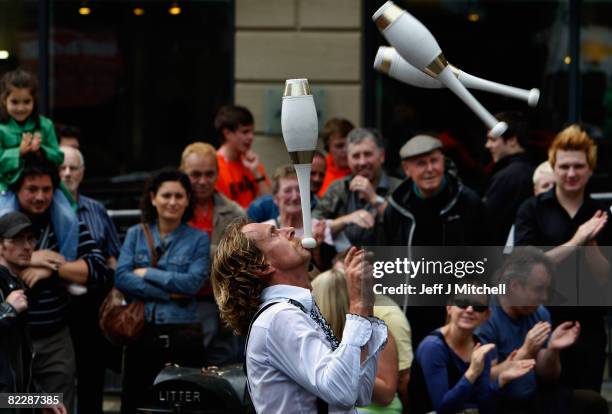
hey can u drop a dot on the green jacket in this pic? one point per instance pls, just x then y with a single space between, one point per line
11 164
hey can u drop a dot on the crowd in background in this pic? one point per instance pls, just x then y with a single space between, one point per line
60 256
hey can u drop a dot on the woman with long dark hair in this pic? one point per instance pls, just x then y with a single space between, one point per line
163 262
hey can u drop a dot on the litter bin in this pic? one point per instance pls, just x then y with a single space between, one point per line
199 391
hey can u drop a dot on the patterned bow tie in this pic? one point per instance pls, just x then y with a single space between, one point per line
317 316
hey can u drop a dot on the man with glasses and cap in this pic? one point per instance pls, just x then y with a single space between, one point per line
16 246
431 207
17 243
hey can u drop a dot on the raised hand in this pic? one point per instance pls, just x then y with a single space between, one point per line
564 336
477 361
250 160
514 369
589 230
536 337
36 140
318 230
359 281
364 187
26 143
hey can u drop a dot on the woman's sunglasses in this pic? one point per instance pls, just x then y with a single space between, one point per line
465 303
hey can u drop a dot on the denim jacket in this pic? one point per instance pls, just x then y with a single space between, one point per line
182 268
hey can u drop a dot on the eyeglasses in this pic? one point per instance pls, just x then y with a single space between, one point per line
465 303
23 239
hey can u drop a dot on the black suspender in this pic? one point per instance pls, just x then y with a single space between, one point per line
259 312
322 406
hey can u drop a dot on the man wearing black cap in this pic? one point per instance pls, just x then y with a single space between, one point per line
16 247
431 208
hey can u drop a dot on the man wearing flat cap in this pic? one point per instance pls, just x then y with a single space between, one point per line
431 208
16 246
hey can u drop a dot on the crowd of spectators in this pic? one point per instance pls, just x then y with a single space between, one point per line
511 354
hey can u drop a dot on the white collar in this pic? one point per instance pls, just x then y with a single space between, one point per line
304 296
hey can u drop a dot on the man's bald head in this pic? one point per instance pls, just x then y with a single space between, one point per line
72 169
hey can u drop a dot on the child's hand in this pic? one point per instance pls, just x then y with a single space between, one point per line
26 143
250 160
35 144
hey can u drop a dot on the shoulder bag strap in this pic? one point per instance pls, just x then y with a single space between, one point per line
152 251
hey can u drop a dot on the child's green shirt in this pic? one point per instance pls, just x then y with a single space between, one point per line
11 164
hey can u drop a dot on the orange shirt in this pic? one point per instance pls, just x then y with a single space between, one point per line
203 220
237 182
332 173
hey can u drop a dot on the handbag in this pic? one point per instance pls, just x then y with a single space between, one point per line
123 323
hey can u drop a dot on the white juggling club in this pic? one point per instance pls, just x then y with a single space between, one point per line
300 131
418 47
389 62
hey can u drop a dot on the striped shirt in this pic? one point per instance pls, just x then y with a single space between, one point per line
49 297
100 225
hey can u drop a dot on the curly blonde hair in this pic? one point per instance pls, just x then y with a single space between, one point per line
573 138
236 286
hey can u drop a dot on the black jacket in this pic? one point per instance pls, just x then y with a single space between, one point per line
510 185
15 345
452 218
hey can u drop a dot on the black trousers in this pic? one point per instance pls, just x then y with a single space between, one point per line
159 345
93 353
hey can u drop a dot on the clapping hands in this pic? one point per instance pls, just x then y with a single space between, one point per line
514 368
564 336
30 142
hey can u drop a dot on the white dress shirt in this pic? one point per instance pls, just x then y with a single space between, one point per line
290 362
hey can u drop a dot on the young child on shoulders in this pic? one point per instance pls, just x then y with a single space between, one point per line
23 131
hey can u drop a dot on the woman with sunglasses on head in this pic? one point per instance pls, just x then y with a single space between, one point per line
451 372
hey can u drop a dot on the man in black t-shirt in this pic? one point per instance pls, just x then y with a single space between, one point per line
572 226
